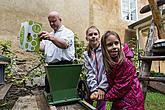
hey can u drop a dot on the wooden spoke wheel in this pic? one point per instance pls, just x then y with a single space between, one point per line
83 90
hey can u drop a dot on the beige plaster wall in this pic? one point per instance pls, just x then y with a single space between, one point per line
142 3
106 15
75 14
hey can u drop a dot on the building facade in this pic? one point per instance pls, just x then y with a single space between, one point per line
78 15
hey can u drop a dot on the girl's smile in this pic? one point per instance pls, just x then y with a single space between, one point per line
93 37
113 46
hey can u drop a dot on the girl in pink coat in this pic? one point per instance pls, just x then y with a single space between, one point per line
124 87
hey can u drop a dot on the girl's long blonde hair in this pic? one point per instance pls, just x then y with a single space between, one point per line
108 61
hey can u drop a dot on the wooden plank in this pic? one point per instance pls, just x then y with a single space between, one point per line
33 102
26 103
81 105
52 107
4 89
145 70
38 102
87 105
71 107
157 18
158 86
146 64
153 58
42 103
158 79
1 62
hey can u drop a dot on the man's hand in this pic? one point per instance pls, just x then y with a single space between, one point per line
44 35
61 43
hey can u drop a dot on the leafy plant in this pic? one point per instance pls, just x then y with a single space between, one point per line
38 70
137 54
5 48
19 79
79 49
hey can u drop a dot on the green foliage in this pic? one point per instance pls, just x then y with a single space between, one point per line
157 74
108 105
5 48
19 79
38 70
136 57
79 49
41 57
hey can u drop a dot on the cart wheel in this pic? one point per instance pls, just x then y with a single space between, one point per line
83 90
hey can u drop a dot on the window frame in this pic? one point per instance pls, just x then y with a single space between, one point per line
129 11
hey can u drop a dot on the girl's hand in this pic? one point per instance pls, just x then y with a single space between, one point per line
101 94
94 96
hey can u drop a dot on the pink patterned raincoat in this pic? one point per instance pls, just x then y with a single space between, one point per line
125 90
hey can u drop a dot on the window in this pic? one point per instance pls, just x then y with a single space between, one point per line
128 10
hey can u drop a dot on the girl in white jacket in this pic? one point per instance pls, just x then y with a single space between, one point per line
93 61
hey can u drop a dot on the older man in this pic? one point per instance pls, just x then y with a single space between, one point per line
58 45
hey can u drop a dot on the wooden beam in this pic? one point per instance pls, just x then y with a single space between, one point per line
146 64
158 86
42 102
157 18
153 58
26 103
4 90
2 62
157 79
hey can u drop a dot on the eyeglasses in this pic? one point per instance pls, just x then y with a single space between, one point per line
91 34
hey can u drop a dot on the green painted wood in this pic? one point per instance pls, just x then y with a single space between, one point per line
63 80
